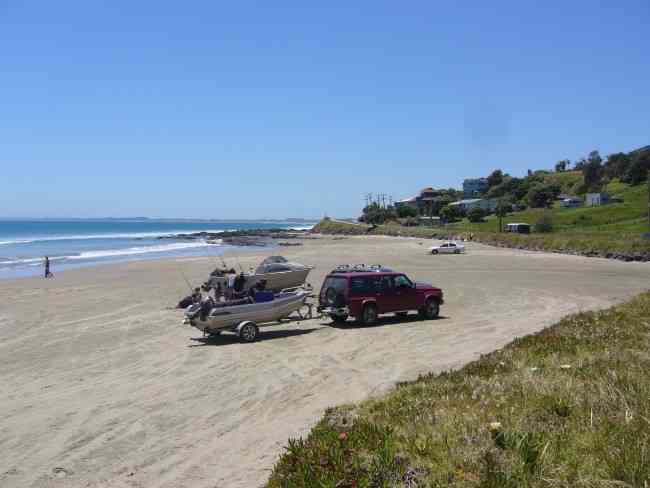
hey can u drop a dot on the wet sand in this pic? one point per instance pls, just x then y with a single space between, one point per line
101 385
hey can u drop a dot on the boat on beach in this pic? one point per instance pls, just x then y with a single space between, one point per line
279 273
243 316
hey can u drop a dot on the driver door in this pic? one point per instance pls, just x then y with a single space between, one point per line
406 294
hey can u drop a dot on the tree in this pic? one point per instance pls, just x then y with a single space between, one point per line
544 224
637 172
476 214
578 165
375 214
405 211
495 178
449 214
617 165
592 171
562 165
542 195
502 210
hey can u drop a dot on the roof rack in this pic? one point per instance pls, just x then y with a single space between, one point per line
360 268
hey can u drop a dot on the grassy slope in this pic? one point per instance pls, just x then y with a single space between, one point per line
631 216
568 406
614 228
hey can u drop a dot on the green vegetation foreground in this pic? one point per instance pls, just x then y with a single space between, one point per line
568 406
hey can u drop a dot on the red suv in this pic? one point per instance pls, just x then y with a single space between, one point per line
365 294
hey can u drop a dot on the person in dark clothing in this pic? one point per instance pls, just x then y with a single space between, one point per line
240 282
259 286
196 296
48 273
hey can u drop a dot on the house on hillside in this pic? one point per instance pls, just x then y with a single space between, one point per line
596 199
407 202
487 204
419 202
475 187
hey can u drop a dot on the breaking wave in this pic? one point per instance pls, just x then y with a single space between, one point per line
134 235
131 251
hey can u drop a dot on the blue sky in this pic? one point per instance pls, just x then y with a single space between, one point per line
275 109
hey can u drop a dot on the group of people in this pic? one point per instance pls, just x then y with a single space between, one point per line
233 292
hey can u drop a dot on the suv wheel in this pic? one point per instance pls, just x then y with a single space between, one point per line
431 309
369 314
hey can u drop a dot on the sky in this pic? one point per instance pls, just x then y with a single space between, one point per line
213 109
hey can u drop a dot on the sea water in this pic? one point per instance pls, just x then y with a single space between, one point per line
75 243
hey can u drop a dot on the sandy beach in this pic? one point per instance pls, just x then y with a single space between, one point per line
102 386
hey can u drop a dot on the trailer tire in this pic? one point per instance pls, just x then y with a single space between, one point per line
247 332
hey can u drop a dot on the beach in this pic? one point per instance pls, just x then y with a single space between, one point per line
103 386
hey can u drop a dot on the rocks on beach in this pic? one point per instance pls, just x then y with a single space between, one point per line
248 237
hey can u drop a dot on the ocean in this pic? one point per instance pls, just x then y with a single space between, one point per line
76 243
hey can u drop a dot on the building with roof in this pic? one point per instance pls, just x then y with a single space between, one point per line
475 187
596 199
419 202
487 204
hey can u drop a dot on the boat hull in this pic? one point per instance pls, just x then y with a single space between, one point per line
280 280
274 281
227 318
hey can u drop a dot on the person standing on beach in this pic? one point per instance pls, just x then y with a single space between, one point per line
48 274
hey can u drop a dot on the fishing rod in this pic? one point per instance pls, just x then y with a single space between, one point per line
186 280
239 264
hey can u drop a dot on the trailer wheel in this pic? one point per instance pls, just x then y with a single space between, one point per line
247 332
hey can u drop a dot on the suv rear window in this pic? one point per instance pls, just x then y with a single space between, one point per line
338 283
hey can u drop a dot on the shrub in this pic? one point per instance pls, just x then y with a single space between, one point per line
449 214
476 215
544 224
404 211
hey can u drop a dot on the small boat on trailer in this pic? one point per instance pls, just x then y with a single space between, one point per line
245 318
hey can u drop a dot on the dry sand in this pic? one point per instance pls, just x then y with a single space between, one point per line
101 385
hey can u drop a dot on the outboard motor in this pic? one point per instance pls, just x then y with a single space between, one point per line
192 311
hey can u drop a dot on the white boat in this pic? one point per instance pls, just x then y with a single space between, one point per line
279 273
245 318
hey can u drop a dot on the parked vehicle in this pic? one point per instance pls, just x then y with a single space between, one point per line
518 228
243 317
448 248
365 295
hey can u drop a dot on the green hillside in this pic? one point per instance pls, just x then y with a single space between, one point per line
629 218
568 181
